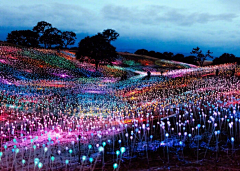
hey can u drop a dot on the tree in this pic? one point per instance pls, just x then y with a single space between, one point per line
42 33
110 35
40 29
178 57
208 54
225 58
141 52
159 55
200 58
96 48
152 53
168 55
52 36
68 38
190 60
23 38
42 26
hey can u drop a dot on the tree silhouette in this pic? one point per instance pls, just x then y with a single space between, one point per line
110 35
23 37
42 26
208 54
226 58
141 52
168 55
178 57
152 53
44 33
40 29
68 38
96 48
200 58
159 55
190 59
51 36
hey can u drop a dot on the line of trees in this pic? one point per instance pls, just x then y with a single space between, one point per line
42 34
226 58
167 56
197 56
98 48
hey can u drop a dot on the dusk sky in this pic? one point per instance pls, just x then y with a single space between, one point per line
160 25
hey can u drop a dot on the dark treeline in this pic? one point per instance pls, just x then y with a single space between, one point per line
197 59
226 58
42 34
98 48
168 56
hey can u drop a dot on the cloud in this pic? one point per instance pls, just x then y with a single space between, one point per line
87 19
155 15
160 24
62 16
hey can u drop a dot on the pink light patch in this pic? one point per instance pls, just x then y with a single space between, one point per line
94 91
3 61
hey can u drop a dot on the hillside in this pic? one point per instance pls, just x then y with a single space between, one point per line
20 63
156 64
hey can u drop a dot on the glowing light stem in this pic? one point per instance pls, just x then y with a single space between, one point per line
132 147
216 146
6 157
198 144
29 156
239 129
146 139
95 162
209 141
232 140
113 145
14 159
119 162
103 159
167 147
